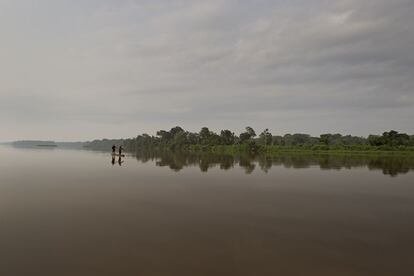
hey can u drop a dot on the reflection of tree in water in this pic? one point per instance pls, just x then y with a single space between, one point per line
247 164
145 156
392 165
265 163
337 162
207 161
389 164
175 161
227 162
292 161
178 160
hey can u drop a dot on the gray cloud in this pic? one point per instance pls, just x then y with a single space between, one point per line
80 70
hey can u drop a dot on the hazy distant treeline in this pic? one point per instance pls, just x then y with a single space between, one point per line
40 143
32 143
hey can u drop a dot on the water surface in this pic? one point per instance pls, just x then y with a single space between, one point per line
66 212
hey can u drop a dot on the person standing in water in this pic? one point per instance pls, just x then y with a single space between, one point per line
113 149
120 156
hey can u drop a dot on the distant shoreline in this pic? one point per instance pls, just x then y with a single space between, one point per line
46 145
226 141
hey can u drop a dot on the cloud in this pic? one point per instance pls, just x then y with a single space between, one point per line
111 68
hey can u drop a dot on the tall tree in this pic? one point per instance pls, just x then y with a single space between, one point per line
227 137
248 135
265 137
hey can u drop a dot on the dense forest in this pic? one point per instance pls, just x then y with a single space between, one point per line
206 140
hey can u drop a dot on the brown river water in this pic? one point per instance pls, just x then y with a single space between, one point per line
75 212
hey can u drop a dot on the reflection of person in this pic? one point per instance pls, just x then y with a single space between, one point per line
113 160
120 161
113 149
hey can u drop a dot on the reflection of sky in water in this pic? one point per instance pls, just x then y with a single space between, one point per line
73 211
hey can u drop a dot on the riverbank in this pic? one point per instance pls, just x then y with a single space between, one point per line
318 149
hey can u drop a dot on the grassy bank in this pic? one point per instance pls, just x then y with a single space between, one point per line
320 149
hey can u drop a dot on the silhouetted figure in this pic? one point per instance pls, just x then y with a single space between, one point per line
113 149
113 160
120 161
120 150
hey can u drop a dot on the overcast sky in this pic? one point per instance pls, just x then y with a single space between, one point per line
79 70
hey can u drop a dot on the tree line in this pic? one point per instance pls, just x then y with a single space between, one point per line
179 139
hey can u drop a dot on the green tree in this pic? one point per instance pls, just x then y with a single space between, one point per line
179 141
277 140
331 139
251 132
411 142
165 136
176 130
247 136
192 138
375 140
227 137
391 138
265 138
303 139
204 136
